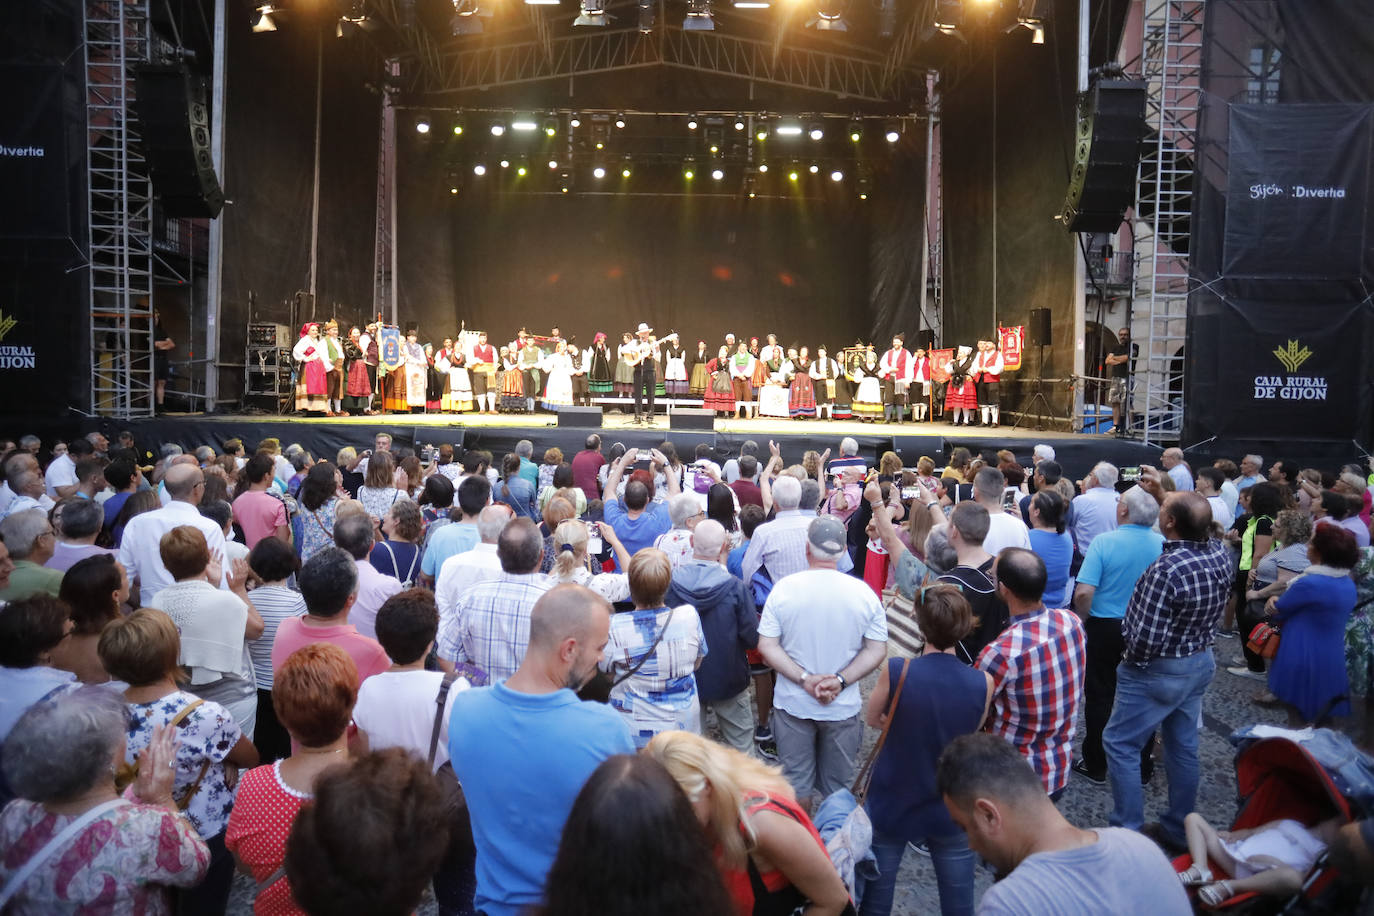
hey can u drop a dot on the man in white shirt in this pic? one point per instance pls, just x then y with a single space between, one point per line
780 545
1094 511
1004 529
1251 472
140 550
60 478
1209 481
19 461
820 659
731 469
354 534
1178 469
462 571
27 487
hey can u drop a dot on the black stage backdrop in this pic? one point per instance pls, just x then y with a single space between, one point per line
1281 312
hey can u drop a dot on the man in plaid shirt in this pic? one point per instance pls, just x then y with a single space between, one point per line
1036 666
1167 664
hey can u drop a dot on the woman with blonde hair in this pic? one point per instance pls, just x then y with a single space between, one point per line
768 851
571 563
890 465
653 654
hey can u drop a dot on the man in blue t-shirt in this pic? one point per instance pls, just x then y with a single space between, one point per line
523 748
1115 560
638 521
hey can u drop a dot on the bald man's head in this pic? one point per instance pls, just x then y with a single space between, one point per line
566 612
708 538
1191 515
182 480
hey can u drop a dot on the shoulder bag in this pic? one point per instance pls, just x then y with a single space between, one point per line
128 773
462 851
598 689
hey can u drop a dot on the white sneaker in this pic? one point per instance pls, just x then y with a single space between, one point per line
1242 671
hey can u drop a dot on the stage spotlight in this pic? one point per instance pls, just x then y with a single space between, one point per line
565 180
498 128
1035 26
864 187
714 148
458 126
793 175
524 124
465 19
689 168
949 16
553 164
550 126
788 128
692 122
522 168
620 121
763 168
262 18
541 2
749 186
699 17
647 16
505 163
717 173
599 171
626 168
813 168
816 131
479 169
837 175
892 131
591 13
422 125
856 129
739 122
751 4
830 16
453 190
574 121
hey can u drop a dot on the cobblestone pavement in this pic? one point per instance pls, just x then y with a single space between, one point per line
1226 707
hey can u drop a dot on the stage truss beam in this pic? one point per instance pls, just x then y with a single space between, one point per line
899 54
848 77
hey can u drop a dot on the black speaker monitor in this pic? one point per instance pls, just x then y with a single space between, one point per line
691 418
1111 124
174 123
1038 328
581 417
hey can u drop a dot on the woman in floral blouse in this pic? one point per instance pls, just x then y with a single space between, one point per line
319 503
61 758
142 650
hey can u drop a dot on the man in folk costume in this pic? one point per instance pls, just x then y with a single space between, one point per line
741 376
773 356
961 395
645 371
825 374
482 373
358 387
530 357
894 369
334 378
416 369
311 388
988 372
367 342
918 391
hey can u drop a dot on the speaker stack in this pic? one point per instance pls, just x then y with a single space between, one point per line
268 359
174 122
1111 125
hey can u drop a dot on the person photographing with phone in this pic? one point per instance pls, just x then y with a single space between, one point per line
1005 528
636 519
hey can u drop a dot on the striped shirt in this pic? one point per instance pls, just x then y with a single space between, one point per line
1037 672
1177 603
490 625
275 603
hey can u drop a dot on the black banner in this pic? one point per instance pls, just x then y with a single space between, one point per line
1296 202
33 176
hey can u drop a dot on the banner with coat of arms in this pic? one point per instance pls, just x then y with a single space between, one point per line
1011 341
389 350
939 360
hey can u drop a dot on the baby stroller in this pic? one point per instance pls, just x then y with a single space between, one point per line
1308 775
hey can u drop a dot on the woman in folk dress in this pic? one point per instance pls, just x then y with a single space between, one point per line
557 368
675 369
624 372
458 396
599 377
581 390
801 400
868 399
720 393
314 366
416 370
698 378
358 388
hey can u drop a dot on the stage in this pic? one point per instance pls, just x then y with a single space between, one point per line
324 436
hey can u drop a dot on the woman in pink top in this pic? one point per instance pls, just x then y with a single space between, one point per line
260 514
313 693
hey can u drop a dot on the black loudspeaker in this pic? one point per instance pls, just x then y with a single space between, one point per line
691 418
581 417
1111 124
1038 328
925 340
174 121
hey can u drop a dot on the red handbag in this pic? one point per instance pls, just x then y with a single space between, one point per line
1264 640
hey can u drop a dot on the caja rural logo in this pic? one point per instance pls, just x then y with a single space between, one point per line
1291 356
13 357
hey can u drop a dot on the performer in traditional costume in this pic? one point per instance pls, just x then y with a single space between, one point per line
311 371
416 370
599 367
482 365
512 383
961 395
358 388
742 366
801 401
826 379
698 378
434 382
367 342
581 389
720 393
988 368
452 362
557 369
918 392
334 378
868 395
529 357
774 396
624 371
675 369
761 371
895 371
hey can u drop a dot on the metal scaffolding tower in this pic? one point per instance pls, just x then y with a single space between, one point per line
119 198
384 249
1171 64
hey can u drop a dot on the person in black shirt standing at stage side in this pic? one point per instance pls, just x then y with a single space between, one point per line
1120 363
162 368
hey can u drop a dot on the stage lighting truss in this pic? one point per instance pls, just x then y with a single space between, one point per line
592 13
830 16
699 17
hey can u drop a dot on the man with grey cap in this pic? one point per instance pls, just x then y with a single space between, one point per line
821 631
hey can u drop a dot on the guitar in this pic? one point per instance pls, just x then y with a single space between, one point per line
646 349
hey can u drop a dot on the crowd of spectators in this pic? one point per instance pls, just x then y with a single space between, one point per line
629 682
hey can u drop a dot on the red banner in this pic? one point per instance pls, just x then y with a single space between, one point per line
939 359
1012 342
